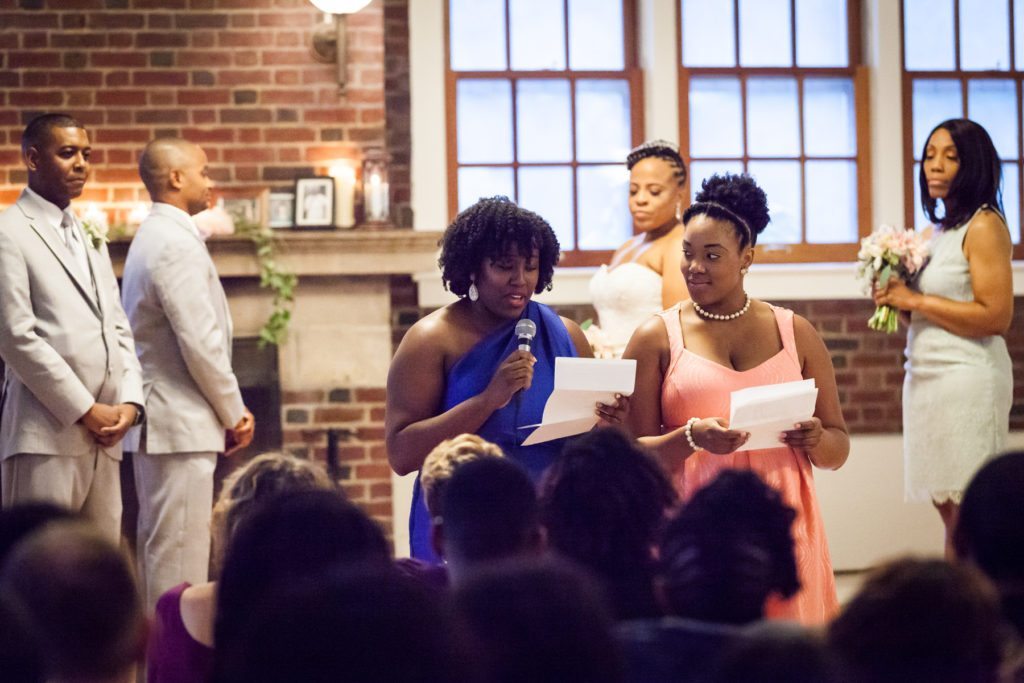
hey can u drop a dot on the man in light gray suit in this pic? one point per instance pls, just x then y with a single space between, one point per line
72 384
182 325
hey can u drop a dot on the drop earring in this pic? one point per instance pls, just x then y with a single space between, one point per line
679 213
473 292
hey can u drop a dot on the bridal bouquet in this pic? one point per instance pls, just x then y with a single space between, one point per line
889 252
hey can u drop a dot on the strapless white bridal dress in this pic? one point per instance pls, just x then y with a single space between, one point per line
624 298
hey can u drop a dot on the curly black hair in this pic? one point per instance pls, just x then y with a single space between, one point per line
660 149
728 549
487 230
603 503
735 198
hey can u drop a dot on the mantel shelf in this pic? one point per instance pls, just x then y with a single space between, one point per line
361 251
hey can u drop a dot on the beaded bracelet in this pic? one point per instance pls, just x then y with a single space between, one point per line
688 431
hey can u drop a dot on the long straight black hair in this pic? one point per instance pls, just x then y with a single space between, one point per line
978 180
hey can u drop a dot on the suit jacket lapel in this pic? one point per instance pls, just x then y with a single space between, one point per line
60 252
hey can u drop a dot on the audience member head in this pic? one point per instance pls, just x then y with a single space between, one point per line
490 513
734 199
657 176
489 233
266 475
20 658
604 503
776 652
990 530
990 526
56 151
727 550
357 623
447 457
77 595
175 172
921 620
290 537
20 521
968 173
539 620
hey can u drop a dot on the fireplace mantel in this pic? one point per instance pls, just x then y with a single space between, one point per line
362 251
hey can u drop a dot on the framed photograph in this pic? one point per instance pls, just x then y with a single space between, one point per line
281 210
244 204
314 202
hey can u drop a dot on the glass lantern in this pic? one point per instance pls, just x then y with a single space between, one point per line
376 189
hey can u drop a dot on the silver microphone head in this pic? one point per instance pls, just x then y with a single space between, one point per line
526 330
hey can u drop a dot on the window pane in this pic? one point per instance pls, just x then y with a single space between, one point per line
547 190
596 35
821 33
921 221
477 35
993 104
483 181
772 118
928 34
537 29
765 33
781 182
702 170
484 121
709 32
715 118
603 206
984 34
829 121
1018 33
1011 199
934 102
831 201
543 123
602 120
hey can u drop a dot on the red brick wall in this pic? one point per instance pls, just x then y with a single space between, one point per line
236 76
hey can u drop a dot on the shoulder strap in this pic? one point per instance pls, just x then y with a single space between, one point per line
670 317
784 319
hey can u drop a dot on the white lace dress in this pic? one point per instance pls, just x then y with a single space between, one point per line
624 298
957 391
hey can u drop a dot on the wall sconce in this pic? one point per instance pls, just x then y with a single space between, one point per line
330 43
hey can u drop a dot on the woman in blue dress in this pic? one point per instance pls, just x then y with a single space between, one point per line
459 369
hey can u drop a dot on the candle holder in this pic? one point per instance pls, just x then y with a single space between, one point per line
376 188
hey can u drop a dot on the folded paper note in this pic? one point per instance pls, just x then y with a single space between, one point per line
580 384
769 410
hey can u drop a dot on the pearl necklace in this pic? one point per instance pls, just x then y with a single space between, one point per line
727 316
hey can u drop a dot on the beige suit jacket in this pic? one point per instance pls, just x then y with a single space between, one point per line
179 315
66 344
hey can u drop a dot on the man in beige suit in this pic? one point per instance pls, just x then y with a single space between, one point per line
72 384
179 314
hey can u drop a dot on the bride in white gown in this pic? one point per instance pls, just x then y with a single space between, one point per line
644 275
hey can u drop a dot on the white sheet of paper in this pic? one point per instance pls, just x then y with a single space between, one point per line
768 410
580 383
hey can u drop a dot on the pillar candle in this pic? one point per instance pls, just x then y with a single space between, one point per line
344 195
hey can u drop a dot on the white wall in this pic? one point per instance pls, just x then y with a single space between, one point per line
865 516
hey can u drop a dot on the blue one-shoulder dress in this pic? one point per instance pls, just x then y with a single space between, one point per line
470 376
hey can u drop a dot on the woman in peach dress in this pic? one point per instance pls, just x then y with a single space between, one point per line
692 356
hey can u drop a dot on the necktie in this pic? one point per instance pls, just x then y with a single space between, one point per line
74 244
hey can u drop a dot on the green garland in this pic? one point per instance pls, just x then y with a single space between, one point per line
281 283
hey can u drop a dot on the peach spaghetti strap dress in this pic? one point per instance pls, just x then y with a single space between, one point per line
697 387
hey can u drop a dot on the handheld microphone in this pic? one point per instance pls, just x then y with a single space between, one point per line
526 330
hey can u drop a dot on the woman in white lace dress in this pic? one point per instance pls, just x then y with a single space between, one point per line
958 386
644 276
